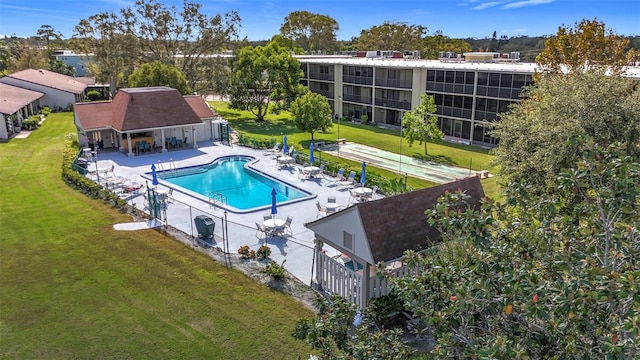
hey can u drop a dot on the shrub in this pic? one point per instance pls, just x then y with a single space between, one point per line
31 123
93 95
276 271
263 252
246 253
80 182
45 111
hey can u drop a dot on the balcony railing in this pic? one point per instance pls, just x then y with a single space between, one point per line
351 79
395 104
394 83
320 76
357 98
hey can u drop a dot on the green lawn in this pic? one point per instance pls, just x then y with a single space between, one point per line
73 288
281 124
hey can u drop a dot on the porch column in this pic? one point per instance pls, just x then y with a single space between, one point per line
163 141
130 153
193 134
120 147
366 277
319 262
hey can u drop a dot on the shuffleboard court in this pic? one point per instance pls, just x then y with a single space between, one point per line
402 164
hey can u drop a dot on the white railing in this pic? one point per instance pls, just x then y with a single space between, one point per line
336 279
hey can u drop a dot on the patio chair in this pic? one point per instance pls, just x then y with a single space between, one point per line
321 209
113 174
266 217
261 229
331 199
274 150
374 190
348 183
287 225
333 181
302 174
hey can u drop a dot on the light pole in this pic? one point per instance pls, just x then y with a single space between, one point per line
400 167
339 121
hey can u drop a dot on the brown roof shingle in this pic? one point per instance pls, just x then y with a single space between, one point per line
14 98
140 109
200 106
399 223
50 79
94 115
151 107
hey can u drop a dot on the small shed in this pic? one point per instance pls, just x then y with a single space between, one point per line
377 231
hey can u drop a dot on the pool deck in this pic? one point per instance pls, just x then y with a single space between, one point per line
296 249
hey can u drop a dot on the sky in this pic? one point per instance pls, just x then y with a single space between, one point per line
262 19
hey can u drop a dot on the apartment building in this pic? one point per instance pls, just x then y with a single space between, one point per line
469 91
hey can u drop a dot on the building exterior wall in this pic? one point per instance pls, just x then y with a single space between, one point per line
468 97
78 61
52 98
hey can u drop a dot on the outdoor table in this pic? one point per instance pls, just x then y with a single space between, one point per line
362 193
332 207
273 224
311 171
284 160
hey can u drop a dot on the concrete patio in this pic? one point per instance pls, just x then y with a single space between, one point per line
297 249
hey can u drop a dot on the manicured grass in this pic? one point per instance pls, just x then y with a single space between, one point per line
71 287
281 124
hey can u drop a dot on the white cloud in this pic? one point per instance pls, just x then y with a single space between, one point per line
486 5
519 4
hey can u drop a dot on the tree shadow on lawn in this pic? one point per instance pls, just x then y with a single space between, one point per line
440 159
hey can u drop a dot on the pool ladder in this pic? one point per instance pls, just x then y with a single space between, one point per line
171 165
216 198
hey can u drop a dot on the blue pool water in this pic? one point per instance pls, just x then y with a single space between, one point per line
243 188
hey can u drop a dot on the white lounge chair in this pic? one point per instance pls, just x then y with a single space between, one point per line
333 181
322 211
348 183
272 151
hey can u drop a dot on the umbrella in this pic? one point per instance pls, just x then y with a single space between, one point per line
154 176
274 209
311 149
363 176
284 145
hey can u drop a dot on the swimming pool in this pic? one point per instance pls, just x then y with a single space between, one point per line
244 188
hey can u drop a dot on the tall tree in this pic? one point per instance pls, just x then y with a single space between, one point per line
391 36
311 113
184 37
24 57
420 124
311 31
587 47
116 50
49 35
151 31
534 133
261 76
433 45
159 74
523 281
287 44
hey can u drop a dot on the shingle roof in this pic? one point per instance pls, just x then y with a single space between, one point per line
398 223
14 98
199 106
94 115
50 79
142 108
